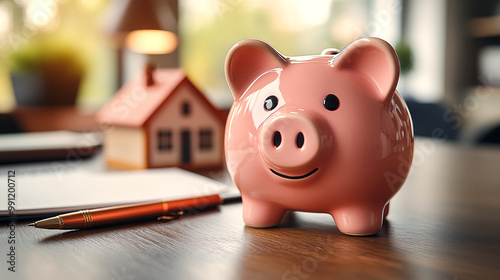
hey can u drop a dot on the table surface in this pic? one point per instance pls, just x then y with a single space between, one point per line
443 224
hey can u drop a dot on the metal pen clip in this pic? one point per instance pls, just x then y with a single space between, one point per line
169 216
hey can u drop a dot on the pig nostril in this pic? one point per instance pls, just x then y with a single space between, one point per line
300 140
277 139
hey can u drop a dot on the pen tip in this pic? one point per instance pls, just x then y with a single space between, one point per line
31 225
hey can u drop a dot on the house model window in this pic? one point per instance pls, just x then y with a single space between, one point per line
165 140
186 108
205 139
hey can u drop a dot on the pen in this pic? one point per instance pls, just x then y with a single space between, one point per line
130 212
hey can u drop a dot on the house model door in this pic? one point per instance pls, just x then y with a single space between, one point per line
186 146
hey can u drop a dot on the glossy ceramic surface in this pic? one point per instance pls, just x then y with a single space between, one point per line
325 133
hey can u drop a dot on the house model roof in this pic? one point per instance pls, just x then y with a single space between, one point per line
136 102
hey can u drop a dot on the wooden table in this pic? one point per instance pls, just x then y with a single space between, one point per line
444 224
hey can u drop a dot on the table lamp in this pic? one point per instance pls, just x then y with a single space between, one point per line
146 27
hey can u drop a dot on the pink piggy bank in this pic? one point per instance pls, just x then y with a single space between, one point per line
325 133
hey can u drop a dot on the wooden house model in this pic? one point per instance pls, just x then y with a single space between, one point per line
160 119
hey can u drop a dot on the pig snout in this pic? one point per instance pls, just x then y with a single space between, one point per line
292 143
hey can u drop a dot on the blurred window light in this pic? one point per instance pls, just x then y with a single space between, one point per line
90 6
313 12
151 41
205 11
5 18
42 14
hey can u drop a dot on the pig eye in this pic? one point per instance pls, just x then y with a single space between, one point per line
270 103
331 102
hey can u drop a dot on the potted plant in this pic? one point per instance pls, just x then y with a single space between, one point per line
45 73
406 61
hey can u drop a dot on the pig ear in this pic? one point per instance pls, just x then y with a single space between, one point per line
375 59
247 60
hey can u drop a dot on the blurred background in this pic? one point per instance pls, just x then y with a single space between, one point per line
82 51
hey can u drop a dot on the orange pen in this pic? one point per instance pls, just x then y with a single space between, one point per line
131 212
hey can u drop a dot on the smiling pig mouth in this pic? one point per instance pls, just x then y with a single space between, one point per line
295 177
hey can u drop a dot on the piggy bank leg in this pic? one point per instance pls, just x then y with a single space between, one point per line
359 221
386 210
261 214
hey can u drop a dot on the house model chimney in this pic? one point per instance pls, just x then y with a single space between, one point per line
149 73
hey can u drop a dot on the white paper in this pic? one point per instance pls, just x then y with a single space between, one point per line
73 190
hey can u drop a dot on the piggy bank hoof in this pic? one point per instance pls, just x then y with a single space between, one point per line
360 230
359 222
360 234
259 214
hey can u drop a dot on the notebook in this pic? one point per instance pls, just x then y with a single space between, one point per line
35 194
50 145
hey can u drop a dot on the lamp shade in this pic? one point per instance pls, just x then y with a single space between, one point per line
125 16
